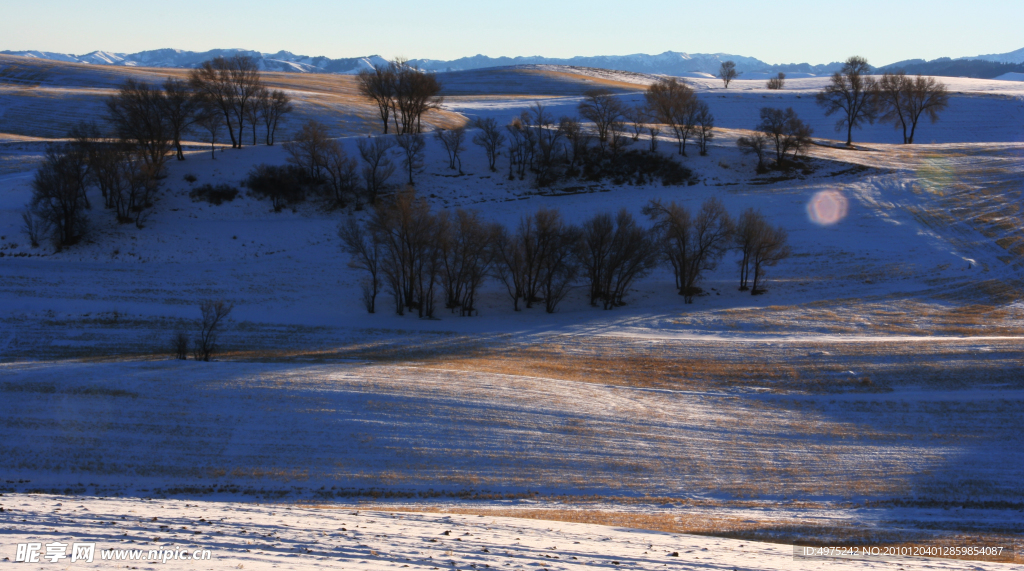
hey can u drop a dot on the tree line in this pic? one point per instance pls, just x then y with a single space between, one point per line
147 123
418 256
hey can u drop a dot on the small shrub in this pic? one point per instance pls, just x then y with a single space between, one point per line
190 178
281 184
215 195
180 345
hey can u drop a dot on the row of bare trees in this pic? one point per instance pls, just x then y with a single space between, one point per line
402 94
414 254
230 92
857 98
780 130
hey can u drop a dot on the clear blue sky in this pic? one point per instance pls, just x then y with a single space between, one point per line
815 31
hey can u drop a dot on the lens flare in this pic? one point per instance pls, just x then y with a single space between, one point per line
827 207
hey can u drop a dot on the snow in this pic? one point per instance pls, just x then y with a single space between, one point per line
1012 76
882 366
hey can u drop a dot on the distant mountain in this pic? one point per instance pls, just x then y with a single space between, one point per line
668 63
281 61
1016 56
946 67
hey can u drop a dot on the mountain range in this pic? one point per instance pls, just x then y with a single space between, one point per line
667 63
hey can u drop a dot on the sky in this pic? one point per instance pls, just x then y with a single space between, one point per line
796 31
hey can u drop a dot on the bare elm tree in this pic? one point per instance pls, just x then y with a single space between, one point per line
692 245
453 142
902 100
727 72
411 145
604 109
490 138
213 314
850 93
365 249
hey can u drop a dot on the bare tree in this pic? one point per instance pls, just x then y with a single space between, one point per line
547 138
727 73
126 180
748 228
181 110
577 141
254 113
377 165
341 173
757 145
179 344
850 93
213 314
378 85
902 101
777 82
453 142
213 83
637 116
412 145
604 109
490 138
465 258
770 247
211 120
308 149
554 260
139 115
34 227
273 108
613 253
704 126
785 131
509 262
231 85
365 249
691 245
58 194
408 234
673 103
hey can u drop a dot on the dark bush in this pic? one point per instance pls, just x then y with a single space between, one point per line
190 178
284 184
216 195
634 166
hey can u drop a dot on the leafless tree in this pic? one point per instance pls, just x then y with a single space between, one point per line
411 145
673 104
408 234
211 121
490 138
577 141
34 227
548 143
464 242
273 108
613 253
126 180
518 148
604 109
777 82
365 249
378 85
727 72
377 165
341 174
637 116
308 149
179 344
902 100
704 126
749 227
231 85
254 112
757 145
691 244
554 262
181 110
785 131
507 249
453 142
769 248
139 115
58 194
653 129
850 93
213 314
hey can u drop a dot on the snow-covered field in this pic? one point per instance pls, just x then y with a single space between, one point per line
874 394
